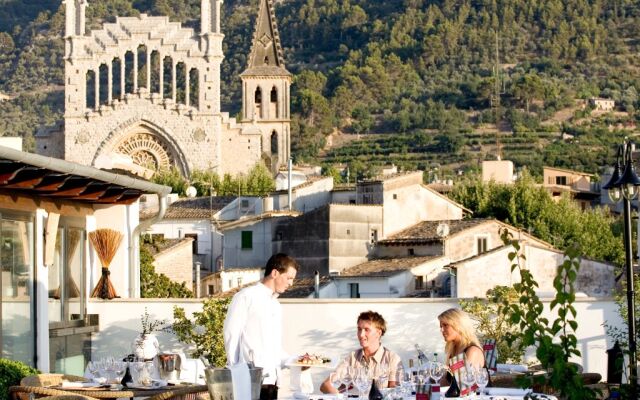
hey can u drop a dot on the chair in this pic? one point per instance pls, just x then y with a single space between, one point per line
37 386
196 392
68 397
50 379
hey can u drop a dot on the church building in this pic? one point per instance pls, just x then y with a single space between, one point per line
143 93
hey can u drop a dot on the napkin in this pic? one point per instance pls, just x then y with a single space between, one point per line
67 384
497 391
512 368
241 381
305 396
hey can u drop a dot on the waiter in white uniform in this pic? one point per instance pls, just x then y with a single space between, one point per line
253 326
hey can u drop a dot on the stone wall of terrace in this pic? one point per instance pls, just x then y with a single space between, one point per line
327 327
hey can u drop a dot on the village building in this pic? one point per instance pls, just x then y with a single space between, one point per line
143 93
577 185
48 207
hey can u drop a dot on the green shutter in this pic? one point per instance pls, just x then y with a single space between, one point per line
247 240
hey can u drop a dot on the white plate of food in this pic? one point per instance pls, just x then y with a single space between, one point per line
312 361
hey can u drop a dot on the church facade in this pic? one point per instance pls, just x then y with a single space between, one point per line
143 93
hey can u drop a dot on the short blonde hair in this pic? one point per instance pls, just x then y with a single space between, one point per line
461 323
375 318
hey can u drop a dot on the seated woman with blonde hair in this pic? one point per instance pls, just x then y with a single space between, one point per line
460 337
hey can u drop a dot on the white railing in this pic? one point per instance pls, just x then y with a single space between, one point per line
327 327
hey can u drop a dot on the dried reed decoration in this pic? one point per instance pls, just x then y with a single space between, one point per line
106 243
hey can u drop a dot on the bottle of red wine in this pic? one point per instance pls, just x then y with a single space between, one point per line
454 389
127 378
374 392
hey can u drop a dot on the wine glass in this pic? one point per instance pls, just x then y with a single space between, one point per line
347 378
482 379
361 381
336 381
94 368
437 371
468 377
406 386
381 375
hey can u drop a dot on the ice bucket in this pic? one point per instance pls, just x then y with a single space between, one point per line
169 366
220 385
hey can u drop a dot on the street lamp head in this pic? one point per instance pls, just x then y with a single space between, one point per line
629 180
612 187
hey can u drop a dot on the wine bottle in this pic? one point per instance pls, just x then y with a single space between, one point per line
127 378
422 357
374 392
454 389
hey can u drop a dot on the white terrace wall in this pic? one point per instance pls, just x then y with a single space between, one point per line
328 326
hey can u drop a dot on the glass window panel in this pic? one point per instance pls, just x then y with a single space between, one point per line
56 276
74 273
17 336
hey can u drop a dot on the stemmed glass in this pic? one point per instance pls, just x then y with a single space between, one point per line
361 381
347 378
336 381
468 377
436 371
482 379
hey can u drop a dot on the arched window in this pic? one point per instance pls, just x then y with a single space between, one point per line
181 83
155 72
128 72
167 78
258 102
116 65
273 103
104 84
194 88
142 66
274 145
91 87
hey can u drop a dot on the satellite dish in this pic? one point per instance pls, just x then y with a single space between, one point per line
191 191
442 230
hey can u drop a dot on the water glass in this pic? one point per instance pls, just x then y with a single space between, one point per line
482 379
361 381
468 376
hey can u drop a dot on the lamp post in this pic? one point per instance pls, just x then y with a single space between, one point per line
625 187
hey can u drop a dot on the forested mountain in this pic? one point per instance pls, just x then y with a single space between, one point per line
424 82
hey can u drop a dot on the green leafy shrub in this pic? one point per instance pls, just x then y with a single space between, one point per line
555 341
11 372
205 331
493 325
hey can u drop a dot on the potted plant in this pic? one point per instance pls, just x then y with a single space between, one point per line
146 345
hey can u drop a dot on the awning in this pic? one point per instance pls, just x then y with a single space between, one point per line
36 175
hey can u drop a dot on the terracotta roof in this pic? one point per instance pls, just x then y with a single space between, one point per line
223 225
191 208
384 267
440 187
426 231
160 246
303 288
476 256
388 177
311 179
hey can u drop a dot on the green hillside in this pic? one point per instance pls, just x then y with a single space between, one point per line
416 80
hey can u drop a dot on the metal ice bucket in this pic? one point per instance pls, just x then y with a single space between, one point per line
221 387
169 366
